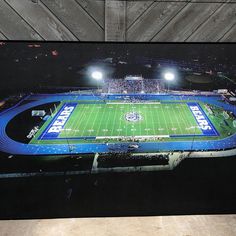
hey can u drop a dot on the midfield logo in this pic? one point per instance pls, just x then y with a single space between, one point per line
133 116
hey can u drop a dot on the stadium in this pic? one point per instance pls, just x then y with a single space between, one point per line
129 124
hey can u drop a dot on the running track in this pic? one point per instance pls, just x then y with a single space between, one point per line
13 147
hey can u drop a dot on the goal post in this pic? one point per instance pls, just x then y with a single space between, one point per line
234 123
226 115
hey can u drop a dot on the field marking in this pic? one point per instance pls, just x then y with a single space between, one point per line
88 118
180 112
81 113
73 122
132 109
195 126
190 122
172 124
177 121
145 118
120 110
188 118
136 136
152 121
65 129
178 127
95 116
42 134
186 121
140 125
57 114
101 120
127 109
108 117
163 115
158 119
195 122
114 117
215 132
124 103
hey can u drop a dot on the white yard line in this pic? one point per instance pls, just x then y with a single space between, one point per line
152 121
177 121
108 117
95 116
85 126
139 125
64 129
146 124
98 130
124 103
80 118
73 124
172 124
158 120
138 136
184 117
114 117
119 127
164 118
188 121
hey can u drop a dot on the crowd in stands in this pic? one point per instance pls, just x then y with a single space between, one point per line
133 86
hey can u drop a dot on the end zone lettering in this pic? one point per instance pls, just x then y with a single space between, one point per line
55 127
202 120
61 120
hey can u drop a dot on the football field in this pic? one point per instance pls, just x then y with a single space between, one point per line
107 120
112 120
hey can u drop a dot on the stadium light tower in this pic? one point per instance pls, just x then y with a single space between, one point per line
169 76
97 75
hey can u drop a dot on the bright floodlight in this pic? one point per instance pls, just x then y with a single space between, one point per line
169 76
97 75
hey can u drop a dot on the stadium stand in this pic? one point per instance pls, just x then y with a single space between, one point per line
133 86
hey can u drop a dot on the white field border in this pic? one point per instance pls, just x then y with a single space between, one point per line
135 137
133 103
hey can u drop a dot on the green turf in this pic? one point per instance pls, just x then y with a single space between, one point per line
109 120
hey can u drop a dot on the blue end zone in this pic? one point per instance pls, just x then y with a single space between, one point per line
58 122
202 120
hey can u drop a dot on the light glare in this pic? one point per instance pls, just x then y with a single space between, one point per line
169 76
97 75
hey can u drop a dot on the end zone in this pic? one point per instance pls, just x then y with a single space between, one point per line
202 120
58 122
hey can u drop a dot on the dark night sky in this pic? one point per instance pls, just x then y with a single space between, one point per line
30 64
